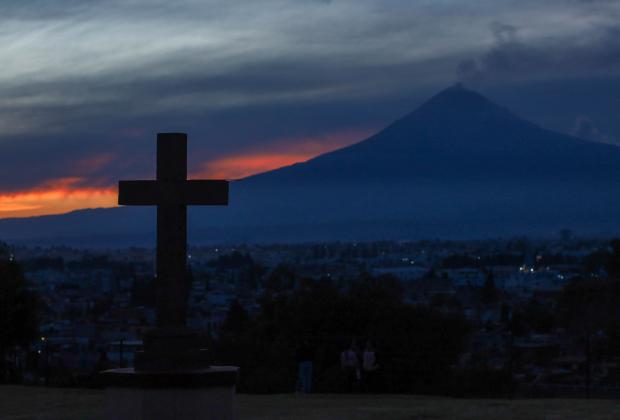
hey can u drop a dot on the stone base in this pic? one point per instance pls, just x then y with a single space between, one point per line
206 394
172 349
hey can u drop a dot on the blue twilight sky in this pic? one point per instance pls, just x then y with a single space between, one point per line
85 85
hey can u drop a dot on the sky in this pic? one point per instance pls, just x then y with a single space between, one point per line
85 85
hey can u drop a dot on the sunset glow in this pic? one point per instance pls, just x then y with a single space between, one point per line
55 197
280 153
72 193
236 167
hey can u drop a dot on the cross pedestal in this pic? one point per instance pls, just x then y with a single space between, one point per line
172 377
196 394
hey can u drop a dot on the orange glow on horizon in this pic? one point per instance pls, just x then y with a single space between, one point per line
280 153
241 166
55 197
73 193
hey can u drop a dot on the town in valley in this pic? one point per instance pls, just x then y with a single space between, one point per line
513 303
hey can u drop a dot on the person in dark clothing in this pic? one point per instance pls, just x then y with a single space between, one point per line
103 363
369 368
305 358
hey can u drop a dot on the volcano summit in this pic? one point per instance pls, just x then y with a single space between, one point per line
458 167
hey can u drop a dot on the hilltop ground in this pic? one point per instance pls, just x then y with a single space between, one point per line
28 403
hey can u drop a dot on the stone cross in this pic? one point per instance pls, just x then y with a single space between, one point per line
172 192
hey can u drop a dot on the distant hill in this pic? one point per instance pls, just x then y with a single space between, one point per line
459 166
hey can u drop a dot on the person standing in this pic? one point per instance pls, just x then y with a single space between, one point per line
369 368
305 359
349 362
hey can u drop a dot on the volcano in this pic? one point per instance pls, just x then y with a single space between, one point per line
458 167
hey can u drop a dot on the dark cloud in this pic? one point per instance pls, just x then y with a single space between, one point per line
84 80
224 112
512 58
125 125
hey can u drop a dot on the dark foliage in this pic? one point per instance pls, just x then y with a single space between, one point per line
415 345
589 309
18 307
590 305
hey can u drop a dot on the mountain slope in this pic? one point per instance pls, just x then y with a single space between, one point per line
462 133
459 166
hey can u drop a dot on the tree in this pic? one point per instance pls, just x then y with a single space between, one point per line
18 307
589 307
237 320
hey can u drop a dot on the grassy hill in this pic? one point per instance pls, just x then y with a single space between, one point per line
28 403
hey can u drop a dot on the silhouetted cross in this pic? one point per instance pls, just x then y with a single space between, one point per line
172 193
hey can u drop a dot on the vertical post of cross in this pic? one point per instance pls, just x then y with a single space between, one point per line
172 345
172 279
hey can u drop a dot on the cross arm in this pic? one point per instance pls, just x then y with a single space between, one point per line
192 192
138 193
206 192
